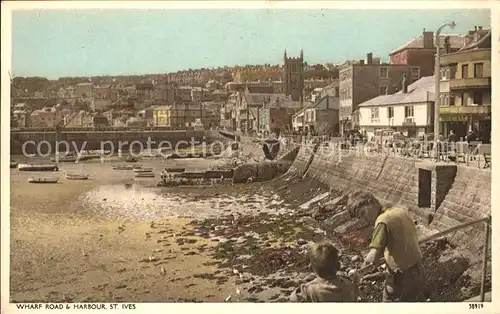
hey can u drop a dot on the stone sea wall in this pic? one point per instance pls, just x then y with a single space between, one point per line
438 196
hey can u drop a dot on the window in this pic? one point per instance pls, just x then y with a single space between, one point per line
451 100
390 112
464 99
374 112
415 73
383 90
477 98
408 111
444 74
453 71
383 72
443 98
465 71
478 70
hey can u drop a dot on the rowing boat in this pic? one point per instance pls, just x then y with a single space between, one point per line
144 175
123 167
77 176
143 170
39 167
43 180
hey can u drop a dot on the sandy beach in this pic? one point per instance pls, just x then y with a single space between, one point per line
118 238
93 240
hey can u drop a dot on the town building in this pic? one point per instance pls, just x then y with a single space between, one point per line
183 94
162 116
248 104
319 117
363 80
145 91
47 117
293 76
409 111
466 87
275 115
83 90
199 94
420 51
19 118
77 119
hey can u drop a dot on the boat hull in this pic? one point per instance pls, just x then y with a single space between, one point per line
145 175
31 167
43 180
76 177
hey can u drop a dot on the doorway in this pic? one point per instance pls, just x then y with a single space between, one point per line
424 188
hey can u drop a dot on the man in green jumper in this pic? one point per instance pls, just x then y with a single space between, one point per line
394 237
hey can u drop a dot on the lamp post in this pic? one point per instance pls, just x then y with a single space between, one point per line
437 81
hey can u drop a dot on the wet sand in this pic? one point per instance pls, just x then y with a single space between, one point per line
64 249
93 240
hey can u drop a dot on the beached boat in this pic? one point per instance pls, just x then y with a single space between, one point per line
64 159
131 159
175 169
75 158
37 167
144 175
149 154
13 164
143 170
74 176
43 180
123 167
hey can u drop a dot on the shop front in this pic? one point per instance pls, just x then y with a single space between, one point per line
462 123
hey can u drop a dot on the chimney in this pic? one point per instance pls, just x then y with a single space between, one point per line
475 28
479 28
369 58
404 86
428 39
362 62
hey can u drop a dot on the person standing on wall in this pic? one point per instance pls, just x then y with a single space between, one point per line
394 237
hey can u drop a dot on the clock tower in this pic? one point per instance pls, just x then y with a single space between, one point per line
293 76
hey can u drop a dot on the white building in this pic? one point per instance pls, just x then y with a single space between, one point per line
409 111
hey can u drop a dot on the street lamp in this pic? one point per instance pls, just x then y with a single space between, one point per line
437 79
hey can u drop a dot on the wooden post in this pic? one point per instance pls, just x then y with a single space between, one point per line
485 257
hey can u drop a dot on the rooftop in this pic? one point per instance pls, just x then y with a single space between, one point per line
420 91
456 41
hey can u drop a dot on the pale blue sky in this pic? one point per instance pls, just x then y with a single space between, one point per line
112 42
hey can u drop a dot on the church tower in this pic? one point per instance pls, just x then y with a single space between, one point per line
293 76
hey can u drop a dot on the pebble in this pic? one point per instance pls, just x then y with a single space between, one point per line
301 242
355 258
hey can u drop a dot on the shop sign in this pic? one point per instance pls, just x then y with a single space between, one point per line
454 118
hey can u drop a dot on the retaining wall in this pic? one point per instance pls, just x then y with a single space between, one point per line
457 194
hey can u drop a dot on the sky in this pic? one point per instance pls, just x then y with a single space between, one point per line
56 43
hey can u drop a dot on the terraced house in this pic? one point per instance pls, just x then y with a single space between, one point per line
466 87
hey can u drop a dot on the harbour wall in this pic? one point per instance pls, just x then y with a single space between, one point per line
110 140
438 195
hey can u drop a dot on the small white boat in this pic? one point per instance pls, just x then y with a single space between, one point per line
123 167
149 154
143 170
144 175
75 176
43 180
